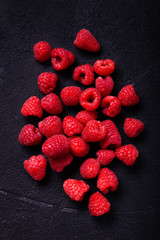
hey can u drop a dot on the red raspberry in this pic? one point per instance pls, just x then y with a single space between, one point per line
104 67
112 138
47 82
86 41
36 167
71 126
104 157
70 95
107 180
30 135
94 131
61 58
58 164
127 154
104 85
128 96
56 146
90 168
32 107
42 51
90 99
111 106
86 116
98 204
133 127
84 74
50 126
52 104
75 189
78 147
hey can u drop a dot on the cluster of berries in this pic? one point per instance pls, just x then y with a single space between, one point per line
71 137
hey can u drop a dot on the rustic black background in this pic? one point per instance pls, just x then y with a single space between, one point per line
128 32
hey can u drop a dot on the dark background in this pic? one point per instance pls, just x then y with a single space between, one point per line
128 32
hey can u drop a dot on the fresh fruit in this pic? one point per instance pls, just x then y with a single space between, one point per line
127 154
52 104
90 168
86 116
104 67
58 164
70 95
104 85
61 58
47 82
104 157
78 147
84 74
133 127
128 96
32 107
98 204
111 106
90 99
42 51
72 126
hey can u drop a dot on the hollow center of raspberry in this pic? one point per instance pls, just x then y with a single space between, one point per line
90 98
58 59
82 75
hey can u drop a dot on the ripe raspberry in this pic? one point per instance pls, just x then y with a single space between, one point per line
71 126
42 51
133 127
61 58
98 204
47 82
128 96
30 135
50 126
78 147
90 99
52 104
84 74
36 167
32 107
107 180
111 106
90 168
75 189
70 95
104 157
104 85
86 116
113 138
94 131
58 164
86 41
56 146
127 154
104 67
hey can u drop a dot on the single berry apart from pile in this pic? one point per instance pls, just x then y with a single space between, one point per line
47 82
72 126
90 168
84 74
30 135
52 104
128 96
75 189
98 204
104 157
127 154
104 67
133 127
104 85
86 116
42 51
32 107
90 99
78 147
61 58
58 164
70 95
36 167
111 106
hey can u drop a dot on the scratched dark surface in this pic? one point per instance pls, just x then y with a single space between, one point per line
128 32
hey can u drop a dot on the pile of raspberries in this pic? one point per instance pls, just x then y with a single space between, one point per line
71 137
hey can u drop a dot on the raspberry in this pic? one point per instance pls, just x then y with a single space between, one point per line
36 167
30 135
78 147
42 51
50 126
128 96
71 126
90 168
111 106
133 127
94 131
70 95
107 180
127 154
104 85
32 107
61 58
90 99
104 157
104 67
86 116
58 164
52 104
86 41
75 189
47 82
84 74
112 138
98 204
56 146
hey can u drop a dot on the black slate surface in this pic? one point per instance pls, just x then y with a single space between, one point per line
128 32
